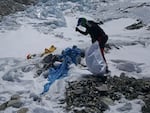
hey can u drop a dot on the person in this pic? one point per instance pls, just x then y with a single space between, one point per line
96 33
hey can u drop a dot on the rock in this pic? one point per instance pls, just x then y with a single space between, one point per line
14 103
78 91
12 76
102 88
108 101
146 108
115 95
12 6
27 68
9 6
35 97
45 73
41 110
38 72
23 110
84 94
135 26
3 106
26 2
141 97
88 93
148 96
15 97
148 28
126 107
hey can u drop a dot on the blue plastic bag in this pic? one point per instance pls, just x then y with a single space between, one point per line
69 55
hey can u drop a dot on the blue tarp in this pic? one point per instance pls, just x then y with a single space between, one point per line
69 55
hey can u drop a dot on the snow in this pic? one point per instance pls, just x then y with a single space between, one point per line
136 1
15 45
125 106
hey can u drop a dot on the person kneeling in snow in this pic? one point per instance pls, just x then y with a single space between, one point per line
96 33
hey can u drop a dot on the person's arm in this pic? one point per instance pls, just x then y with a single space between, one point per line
82 32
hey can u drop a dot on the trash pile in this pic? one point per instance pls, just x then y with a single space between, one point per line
57 66
68 56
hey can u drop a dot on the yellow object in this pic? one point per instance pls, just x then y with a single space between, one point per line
46 51
50 50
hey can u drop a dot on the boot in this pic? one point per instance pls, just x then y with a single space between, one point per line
107 70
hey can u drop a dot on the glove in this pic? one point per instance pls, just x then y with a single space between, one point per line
77 29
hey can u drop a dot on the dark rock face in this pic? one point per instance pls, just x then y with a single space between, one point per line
11 6
89 93
26 2
135 26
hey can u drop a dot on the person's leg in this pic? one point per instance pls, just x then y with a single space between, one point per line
102 51
102 45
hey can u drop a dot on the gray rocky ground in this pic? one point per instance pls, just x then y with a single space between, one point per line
91 95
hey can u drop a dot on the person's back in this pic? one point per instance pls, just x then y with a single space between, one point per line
95 31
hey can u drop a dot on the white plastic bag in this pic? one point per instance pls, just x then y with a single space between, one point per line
94 59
